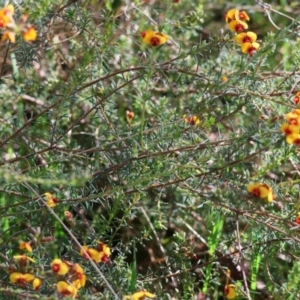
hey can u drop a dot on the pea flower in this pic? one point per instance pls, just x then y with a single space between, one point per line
77 275
90 252
293 138
297 98
129 116
229 291
141 295
191 120
66 289
298 218
9 36
245 37
59 267
237 26
23 259
235 14
154 38
293 117
51 201
261 190
36 283
20 278
288 129
6 16
104 251
25 246
249 47
29 34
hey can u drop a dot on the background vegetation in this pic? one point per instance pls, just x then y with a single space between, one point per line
170 199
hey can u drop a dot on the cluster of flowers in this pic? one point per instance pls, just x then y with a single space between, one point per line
10 27
20 273
154 38
236 22
291 128
74 277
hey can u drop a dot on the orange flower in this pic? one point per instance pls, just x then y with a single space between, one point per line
154 38
261 190
59 267
9 36
287 129
293 138
141 295
297 98
104 252
237 26
230 291
224 78
6 16
21 278
66 289
25 245
191 120
298 218
245 37
129 116
36 283
51 201
30 34
89 252
250 48
235 14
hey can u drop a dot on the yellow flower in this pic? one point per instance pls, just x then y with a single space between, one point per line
141 295
21 278
25 246
59 267
29 34
66 289
249 48
9 36
237 26
245 37
293 138
104 252
51 201
261 190
36 283
287 129
230 291
22 259
90 252
293 118
191 120
154 38
235 14
6 15
77 275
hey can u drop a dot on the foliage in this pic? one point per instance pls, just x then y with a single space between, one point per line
166 159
